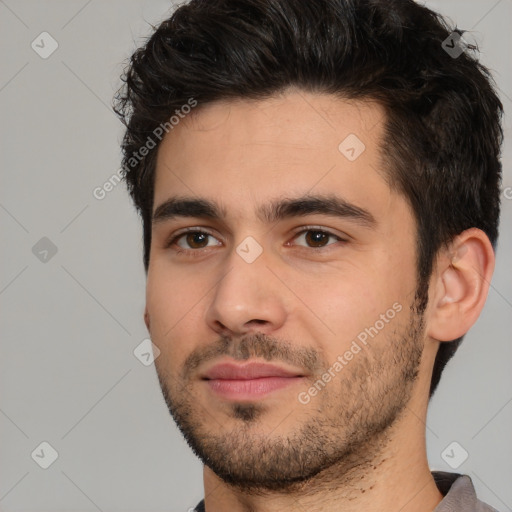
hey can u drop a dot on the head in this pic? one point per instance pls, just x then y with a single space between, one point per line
263 92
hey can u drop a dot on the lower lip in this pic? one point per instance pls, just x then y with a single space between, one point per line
250 388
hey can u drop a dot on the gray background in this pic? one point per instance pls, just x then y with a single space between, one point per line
68 374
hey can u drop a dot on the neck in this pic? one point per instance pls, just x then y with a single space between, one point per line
389 473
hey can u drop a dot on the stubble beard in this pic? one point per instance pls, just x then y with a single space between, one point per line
347 426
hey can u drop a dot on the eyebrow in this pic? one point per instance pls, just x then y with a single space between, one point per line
330 205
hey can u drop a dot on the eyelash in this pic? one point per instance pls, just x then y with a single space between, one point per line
197 252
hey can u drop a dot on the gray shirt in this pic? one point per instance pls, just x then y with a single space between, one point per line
459 494
458 491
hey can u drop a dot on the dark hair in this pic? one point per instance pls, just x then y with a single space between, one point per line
443 125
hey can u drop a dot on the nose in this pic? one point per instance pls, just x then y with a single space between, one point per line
248 297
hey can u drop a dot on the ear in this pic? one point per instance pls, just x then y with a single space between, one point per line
146 319
462 278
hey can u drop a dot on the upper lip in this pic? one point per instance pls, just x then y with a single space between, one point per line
247 371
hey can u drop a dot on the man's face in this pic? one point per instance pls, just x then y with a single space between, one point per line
310 292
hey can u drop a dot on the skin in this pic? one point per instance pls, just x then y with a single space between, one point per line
361 440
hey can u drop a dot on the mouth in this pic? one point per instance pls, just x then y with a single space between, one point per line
249 381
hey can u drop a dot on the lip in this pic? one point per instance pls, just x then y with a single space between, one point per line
248 371
249 381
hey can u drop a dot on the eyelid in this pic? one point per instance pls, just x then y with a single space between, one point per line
327 231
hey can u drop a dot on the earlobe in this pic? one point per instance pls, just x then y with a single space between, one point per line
464 272
146 319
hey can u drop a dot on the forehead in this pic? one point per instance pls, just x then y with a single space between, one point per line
241 152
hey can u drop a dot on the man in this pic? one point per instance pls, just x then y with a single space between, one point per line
319 189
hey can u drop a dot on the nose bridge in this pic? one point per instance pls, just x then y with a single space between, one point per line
247 293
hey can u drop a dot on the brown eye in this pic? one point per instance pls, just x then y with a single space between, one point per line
317 238
193 240
197 240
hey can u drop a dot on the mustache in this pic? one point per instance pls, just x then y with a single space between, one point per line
255 345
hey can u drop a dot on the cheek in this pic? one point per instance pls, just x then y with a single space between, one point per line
172 305
338 306
171 294
332 308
